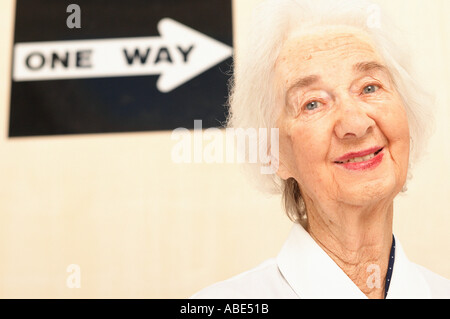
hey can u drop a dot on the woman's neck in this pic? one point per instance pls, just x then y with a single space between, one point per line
358 240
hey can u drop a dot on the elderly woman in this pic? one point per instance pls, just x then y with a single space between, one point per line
350 120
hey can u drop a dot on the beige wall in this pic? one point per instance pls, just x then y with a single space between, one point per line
139 225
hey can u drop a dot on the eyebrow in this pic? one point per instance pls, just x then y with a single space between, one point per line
304 82
362 67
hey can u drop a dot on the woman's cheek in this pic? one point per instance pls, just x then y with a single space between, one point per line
310 143
394 123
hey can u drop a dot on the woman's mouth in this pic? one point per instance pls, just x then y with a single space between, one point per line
367 159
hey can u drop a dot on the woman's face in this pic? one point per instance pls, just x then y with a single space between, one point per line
344 133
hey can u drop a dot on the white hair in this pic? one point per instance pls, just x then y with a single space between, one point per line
252 95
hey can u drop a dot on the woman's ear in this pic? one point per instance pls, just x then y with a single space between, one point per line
283 171
283 150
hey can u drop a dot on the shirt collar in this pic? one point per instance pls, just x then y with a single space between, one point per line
311 273
407 281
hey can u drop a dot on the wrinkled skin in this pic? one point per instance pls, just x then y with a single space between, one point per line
336 96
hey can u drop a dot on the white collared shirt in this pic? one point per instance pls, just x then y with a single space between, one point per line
302 269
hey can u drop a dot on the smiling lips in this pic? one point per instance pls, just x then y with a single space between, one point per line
363 160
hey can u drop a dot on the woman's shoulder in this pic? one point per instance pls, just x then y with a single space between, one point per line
262 282
439 286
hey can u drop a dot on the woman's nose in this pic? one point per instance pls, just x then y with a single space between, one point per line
353 120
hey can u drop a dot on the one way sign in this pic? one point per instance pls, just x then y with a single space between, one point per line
178 55
131 66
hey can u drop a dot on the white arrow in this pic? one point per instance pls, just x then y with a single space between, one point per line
178 55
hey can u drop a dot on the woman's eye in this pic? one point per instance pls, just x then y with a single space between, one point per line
371 89
313 105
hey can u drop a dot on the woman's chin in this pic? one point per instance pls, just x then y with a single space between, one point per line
370 184
370 192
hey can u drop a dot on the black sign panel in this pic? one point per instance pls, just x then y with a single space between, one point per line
119 66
